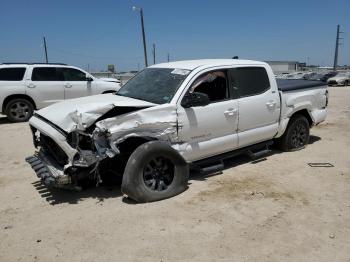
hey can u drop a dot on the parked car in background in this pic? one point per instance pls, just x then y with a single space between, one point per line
27 87
328 75
315 76
342 78
296 75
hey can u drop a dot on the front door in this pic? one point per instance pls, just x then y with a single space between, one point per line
75 83
212 129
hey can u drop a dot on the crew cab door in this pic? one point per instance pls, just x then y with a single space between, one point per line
212 129
259 104
45 86
75 83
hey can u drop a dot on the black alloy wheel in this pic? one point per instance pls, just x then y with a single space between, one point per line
158 174
299 135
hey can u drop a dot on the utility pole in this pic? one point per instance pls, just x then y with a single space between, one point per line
45 48
143 33
168 57
154 53
335 65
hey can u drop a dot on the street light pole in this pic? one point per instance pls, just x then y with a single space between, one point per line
143 33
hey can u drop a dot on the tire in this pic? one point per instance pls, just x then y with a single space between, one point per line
154 171
346 83
296 135
19 110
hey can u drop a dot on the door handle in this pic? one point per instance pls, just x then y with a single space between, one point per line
68 85
31 85
231 112
271 104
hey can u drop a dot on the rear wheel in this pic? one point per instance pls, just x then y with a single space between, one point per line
296 135
346 83
154 171
19 110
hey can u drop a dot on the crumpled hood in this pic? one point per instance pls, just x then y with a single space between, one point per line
81 113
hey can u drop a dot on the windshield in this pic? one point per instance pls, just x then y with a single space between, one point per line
155 85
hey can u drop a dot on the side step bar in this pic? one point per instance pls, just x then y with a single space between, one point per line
216 163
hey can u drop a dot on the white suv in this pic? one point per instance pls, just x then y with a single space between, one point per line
27 87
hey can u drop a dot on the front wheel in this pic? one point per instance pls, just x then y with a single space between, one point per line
154 171
296 135
19 110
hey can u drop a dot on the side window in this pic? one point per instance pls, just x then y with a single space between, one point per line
213 84
249 81
71 74
46 74
12 73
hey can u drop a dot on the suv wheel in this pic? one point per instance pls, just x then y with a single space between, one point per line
19 110
154 171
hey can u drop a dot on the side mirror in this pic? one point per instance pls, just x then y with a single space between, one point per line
89 78
195 99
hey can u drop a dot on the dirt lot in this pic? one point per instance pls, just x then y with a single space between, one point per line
275 210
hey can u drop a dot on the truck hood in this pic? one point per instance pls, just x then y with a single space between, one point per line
81 113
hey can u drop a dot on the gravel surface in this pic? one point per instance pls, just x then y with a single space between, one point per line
280 209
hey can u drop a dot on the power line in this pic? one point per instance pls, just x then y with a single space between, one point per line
93 57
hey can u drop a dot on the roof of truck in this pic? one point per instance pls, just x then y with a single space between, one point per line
192 64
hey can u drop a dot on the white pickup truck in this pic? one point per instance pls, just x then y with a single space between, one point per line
171 117
26 87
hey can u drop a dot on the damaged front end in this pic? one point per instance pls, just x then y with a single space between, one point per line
89 152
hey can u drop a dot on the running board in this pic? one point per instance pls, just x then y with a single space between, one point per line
216 163
212 168
258 154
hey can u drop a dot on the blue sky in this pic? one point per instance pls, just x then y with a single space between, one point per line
108 32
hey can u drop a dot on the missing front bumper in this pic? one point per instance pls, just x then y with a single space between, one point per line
50 173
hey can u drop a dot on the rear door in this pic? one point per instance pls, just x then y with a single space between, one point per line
259 105
75 83
45 86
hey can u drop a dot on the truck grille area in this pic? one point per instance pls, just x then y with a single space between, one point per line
50 147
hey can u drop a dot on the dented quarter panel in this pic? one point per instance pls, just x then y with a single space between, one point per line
313 100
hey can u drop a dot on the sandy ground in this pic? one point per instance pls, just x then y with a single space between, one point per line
279 209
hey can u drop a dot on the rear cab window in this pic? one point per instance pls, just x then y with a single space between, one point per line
12 73
47 74
249 81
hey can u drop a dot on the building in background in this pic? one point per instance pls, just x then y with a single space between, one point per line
111 68
280 67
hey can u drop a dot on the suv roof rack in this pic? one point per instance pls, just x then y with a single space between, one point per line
19 63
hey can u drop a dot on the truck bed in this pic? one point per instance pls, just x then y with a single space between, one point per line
296 84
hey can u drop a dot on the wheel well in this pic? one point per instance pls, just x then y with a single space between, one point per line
305 113
130 144
11 97
109 91
127 147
